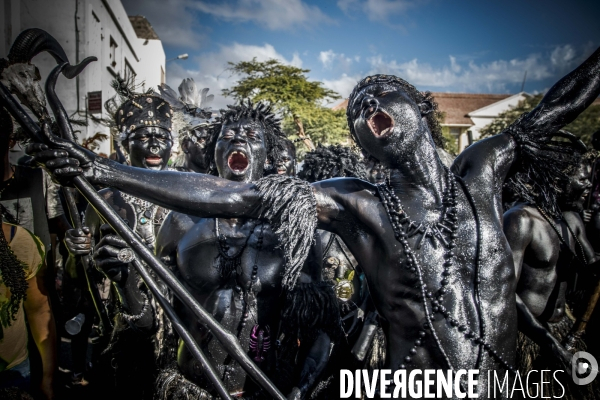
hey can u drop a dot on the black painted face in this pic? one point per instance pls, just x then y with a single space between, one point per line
577 189
195 148
240 152
149 148
286 164
388 123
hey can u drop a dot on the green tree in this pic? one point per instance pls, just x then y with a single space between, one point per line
323 125
298 100
584 125
450 141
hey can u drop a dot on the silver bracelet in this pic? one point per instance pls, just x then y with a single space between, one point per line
134 318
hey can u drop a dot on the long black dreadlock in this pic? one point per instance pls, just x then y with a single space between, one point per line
260 113
417 96
543 167
333 161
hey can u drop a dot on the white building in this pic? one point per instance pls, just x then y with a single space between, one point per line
466 113
123 45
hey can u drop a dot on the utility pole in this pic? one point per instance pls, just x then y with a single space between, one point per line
524 78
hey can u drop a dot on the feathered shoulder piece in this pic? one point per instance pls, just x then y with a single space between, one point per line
193 104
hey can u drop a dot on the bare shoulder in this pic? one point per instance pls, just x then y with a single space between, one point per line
335 196
575 222
487 155
178 222
175 226
520 218
344 189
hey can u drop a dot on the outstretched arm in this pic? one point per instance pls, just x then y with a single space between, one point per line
560 106
190 193
566 99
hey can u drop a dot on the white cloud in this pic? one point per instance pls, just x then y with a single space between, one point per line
329 58
273 14
383 9
172 21
212 67
342 85
563 56
326 58
377 10
454 65
348 5
494 76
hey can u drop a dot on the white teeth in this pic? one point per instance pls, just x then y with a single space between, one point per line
238 152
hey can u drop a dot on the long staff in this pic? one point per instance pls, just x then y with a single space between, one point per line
71 202
67 133
228 340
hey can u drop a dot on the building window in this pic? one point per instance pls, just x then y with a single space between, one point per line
113 52
129 72
455 131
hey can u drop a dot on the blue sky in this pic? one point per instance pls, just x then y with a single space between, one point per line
438 45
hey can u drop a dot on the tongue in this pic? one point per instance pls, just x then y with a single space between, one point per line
238 162
380 123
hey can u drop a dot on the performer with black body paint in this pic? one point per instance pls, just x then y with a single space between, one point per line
548 250
282 160
234 268
191 108
593 203
193 144
335 161
144 123
363 343
445 291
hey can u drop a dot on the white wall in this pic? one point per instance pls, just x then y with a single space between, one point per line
84 28
486 115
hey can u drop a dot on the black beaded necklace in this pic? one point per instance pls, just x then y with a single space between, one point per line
443 231
229 264
247 294
583 260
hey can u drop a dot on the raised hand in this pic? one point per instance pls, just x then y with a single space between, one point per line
62 158
112 255
79 241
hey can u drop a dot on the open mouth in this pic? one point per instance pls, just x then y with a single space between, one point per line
238 162
381 124
153 160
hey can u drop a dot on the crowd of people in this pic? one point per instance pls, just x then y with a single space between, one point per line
386 254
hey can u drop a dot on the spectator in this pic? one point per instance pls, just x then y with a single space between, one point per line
22 292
